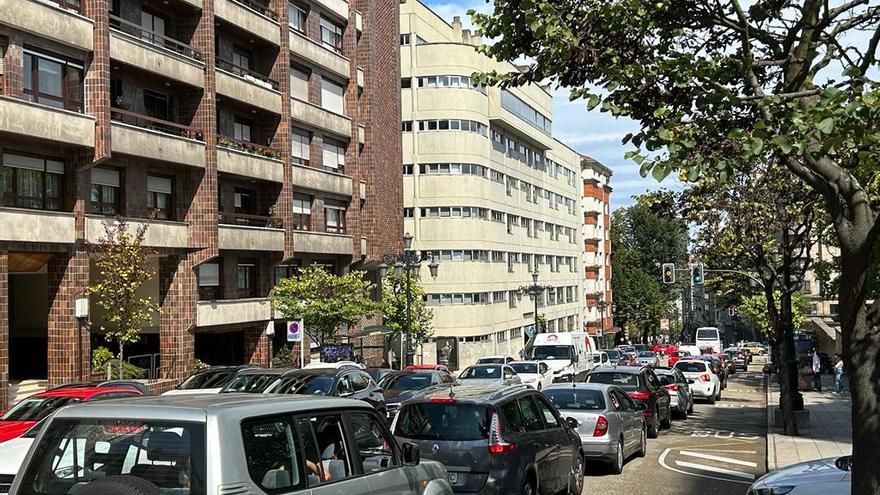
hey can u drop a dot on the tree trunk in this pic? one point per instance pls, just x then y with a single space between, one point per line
784 372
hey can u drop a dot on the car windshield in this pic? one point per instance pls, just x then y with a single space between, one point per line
443 421
612 354
690 367
74 452
525 367
415 381
577 399
707 334
36 408
626 381
303 385
481 372
207 379
493 360
648 354
551 352
255 383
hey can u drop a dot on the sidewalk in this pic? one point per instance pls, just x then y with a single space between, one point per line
829 433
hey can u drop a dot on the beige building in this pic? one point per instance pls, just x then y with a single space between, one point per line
488 192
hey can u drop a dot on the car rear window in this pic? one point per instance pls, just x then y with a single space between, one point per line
415 381
490 361
206 379
626 381
525 367
303 385
250 383
482 372
577 399
612 354
447 421
37 408
690 367
646 354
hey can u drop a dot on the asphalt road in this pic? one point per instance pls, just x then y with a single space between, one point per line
719 450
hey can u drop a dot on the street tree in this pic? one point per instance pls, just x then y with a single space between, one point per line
754 309
326 302
123 267
717 86
394 309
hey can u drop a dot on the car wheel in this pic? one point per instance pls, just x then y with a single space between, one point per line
683 414
691 406
719 395
667 420
528 487
712 397
576 483
653 429
643 444
120 485
617 466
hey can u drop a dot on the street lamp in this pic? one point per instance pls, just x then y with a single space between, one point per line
534 290
601 305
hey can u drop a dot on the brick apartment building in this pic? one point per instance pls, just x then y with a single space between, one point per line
249 126
596 229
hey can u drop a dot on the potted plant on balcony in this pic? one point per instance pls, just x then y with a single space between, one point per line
274 222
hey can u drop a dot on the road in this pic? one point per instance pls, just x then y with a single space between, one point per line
719 450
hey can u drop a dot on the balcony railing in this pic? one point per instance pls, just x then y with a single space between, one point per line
227 218
72 5
153 38
247 147
147 122
262 9
249 75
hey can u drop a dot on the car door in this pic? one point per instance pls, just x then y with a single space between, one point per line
623 410
542 447
376 457
557 433
328 456
657 390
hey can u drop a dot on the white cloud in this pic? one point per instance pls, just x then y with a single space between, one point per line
590 137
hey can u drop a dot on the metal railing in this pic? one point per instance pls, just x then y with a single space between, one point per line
248 74
247 147
152 362
259 7
147 122
228 218
154 38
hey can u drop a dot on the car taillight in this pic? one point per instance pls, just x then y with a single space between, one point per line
601 427
672 388
497 444
443 400
640 395
705 378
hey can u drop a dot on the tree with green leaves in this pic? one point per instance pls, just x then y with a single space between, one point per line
754 310
123 266
326 302
720 86
394 308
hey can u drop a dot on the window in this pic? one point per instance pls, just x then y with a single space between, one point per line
299 147
497 176
498 256
531 415
296 18
302 212
241 129
372 443
454 125
105 197
331 35
405 39
324 449
241 59
157 105
285 271
299 84
159 197
154 27
332 96
405 83
247 278
244 202
271 454
334 218
333 156
209 281
499 296
52 80
407 213
406 126
30 182
497 216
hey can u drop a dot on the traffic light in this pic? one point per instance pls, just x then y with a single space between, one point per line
668 273
697 273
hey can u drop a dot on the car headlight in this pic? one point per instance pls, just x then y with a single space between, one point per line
772 490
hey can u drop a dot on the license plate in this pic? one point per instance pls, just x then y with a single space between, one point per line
453 478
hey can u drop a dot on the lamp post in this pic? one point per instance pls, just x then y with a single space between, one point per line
601 305
408 262
534 290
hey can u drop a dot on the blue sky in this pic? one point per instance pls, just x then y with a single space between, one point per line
590 132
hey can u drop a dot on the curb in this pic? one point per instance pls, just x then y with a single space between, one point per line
771 434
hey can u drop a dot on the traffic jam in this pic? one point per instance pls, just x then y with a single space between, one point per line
503 425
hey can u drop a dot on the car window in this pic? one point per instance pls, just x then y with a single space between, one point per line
304 384
652 379
36 408
530 414
207 379
615 400
512 416
253 383
482 372
443 421
358 381
508 373
623 402
690 367
543 368
525 367
344 386
325 450
577 399
271 454
372 443
550 418
626 381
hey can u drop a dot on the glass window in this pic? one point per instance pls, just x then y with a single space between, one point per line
299 84
159 197
333 156
296 18
332 96
551 420
105 197
443 421
324 449
334 218
270 450
531 415
299 149
331 35
209 281
302 212
31 182
577 399
373 443
247 274
626 381
52 80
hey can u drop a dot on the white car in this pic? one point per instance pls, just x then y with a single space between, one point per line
647 358
819 477
338 364
706 385
12 454
600 358
495 360
535 374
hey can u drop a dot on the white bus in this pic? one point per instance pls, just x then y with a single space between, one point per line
708 339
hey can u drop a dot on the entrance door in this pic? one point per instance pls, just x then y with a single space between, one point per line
220 348
28 325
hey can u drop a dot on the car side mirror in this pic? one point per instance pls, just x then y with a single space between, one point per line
641 406
411 455
572 423
690 382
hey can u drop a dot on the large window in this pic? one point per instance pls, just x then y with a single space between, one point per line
247 277
332 96
302 212
299 149
334 217
296 18
453 125
105 197
30 182
159 197
331 35
209 281
272 454
52 80
523 110
299 84
241 129
333 156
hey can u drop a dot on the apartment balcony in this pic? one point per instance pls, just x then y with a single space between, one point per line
316 116
339 8
25 225
322 243
59 20
248 159
155 53
248 86
140 135
34 121
240 232
358 21
233 311
321 180
160 234
251 16
318 54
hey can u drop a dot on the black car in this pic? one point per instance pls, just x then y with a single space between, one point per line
642 385
254 381
377 373
495 439
614 356
401 385
212 378
342 382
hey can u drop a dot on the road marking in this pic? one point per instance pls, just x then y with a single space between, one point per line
730 406
726 460
662 461
713 469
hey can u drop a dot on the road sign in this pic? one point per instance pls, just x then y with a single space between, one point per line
295 331
530 330
664 323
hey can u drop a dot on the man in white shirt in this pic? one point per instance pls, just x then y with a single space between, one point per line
817 371
838 374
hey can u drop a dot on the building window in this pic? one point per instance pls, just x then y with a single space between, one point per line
105 197
209 281
241 129
244 202
405 83
159 197
498 256
285 271
331 35
247 278
241 59
30 182
407 213
51 80
405 39
154 27
408 169
299 84
499 296
453 125
302 212
497 216
333 156
299 148
334 217
296 18
332 96
157 105
406 126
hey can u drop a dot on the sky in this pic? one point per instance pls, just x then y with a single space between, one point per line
591 133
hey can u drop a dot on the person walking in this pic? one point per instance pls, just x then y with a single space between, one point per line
838 373
817 371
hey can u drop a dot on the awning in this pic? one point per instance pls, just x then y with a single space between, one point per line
819 323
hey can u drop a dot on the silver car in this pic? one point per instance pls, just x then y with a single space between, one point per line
220 444
681 398
647 358
489 374
610 424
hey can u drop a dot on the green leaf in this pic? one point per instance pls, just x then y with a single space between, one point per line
827 125
664 134
661 111
756 145
659 172
783 143
593 102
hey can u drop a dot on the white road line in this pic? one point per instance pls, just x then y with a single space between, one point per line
713 469
726 460
662 462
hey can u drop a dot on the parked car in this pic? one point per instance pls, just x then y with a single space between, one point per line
495 440
819 477
401 385
627 348
600 358
489 374
680 395
692 349
739 357
535 374
663 349
676 356
642 385
341 382
12 454
614 356
641 347
717 367
611 426
427 367
293 445
729 363
28 412
495 360
314 365
647 358
753 348
210 380
706 384
627 359
255 380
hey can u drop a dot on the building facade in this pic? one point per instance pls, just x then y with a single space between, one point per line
244 132
596 232
488 192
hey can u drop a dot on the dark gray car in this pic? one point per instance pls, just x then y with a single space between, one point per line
494 440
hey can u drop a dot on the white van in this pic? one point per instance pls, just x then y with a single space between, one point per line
568 354
709 338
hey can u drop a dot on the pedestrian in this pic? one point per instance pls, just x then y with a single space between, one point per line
838 373
817 371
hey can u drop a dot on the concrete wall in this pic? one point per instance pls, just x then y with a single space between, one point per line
247 165
315 53
320 180
315 116
156 60
244 91
38 121
36 226
319 242
211 313
160 234
137 141
48 21
243 238
248 20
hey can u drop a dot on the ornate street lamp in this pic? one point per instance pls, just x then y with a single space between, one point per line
534 290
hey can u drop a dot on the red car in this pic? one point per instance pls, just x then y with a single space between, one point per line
665 349
676 356
30 411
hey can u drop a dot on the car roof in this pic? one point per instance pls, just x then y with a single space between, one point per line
320 371
83 392
471 393
581 386
633 370
265 371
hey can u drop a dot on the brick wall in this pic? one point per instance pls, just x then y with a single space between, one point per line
12 66
68 276
256 345
97 79
4 331
177 297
